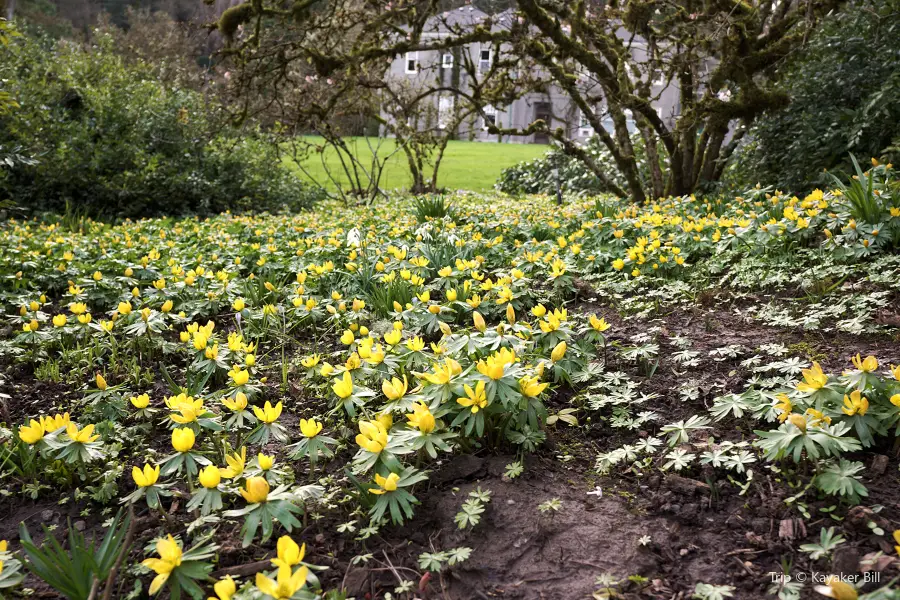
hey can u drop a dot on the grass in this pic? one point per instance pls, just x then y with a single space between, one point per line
466 165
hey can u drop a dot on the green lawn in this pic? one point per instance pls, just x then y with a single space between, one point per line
465 166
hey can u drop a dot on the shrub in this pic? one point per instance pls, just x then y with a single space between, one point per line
845 98
537 176
105 138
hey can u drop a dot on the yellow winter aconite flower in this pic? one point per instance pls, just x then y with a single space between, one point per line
236 463
480 325
837 589
239 376
393 388
100 381
169 559
55 422
818 417
167 306
385 484
798 421
476 399
268 413
492 366
256 490
265 461
146 477
558 352
530 386
343 386
285 585
599 324
310 428
855 404
31 433
813 379
784 405
289 553
421 418
416 344
372 436
225 589
311 361
183 439
84 436
895 371
210 476
393 337
124 308
443 372
238 403
60 321
140 402
866 365
895 400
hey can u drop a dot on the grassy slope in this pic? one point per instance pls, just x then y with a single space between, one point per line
466 165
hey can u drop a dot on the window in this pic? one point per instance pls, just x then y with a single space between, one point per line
489 117
447 60
584 126
484 60
445 108
412 62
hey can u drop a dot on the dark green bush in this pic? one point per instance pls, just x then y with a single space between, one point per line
105 138
844 87
537 176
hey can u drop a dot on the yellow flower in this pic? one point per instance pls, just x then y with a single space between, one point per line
210 476
239 376
394 389
799 421
813 379
326 370
60 321
491 367
558 352
224 588
480 325
238 304
183 439
818 417
289 553
416 344
372 436
55 422
443 372
31 433
539 311
421 418
167 306
897 541
599 324
286 584
866 365
343 386
895 400
265 461
238 403
268 413
476 398
236 463
256 490
785 407
855 404
85 436
169 560
530 387
895 371
310 428
618 264
385 484
124 308
837 589
393 337
311 361
146 477
100 381
140 402
347 337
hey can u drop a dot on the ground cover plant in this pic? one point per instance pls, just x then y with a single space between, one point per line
458 397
